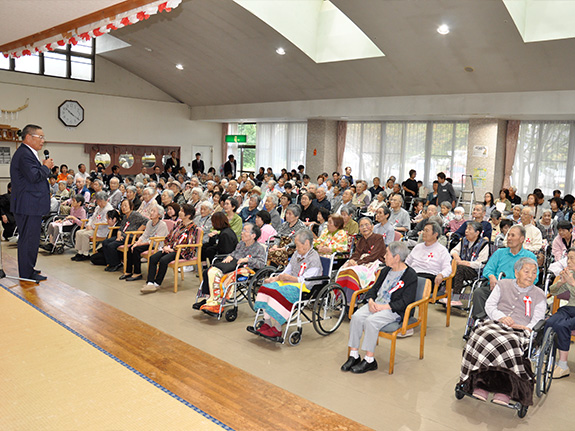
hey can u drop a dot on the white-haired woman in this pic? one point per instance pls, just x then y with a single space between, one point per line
204 219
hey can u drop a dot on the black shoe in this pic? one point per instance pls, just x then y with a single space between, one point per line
38 278
197 305
125 276
37 271
364 367
75 257
351 362
116 267
82 257
134 277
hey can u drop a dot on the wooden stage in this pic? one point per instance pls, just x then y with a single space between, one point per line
238 399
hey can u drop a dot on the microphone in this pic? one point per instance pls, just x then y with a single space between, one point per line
47 154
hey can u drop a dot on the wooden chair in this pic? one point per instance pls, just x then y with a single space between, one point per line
392 330
177 264
96 239
131 238
448 292
155 241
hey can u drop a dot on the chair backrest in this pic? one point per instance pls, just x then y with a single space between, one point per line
170 224
423 288
326 263
397 236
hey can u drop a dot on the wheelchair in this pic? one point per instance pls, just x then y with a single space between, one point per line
541 354
326 300
66 237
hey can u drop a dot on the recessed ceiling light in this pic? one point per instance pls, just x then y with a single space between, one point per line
179 67
468 69
281 51
148 49
443 29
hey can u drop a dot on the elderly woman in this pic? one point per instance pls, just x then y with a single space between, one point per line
280 251
148 201
563 241
277 296
378 202
196 198
393 291
132 221
349 224
221 240
470 254
333 239
230 207
270 205
458 220
263 221
132 194
83 235
563 321
359 271
204 219
547 226
172 212
445 213
285 201
493 359
383 226
77 213
185 232
155 227
308 210
248 252
248 212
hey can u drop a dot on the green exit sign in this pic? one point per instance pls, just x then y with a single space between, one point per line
236 138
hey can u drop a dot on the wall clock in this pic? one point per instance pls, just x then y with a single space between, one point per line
71 113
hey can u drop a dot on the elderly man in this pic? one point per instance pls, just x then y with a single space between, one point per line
143 176
321 200
533 239
81 172
501 261
414 233
115 193
478 215
429 258
399 217
345 200
376 188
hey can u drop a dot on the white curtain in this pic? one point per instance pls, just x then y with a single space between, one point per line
383 149
281 145
544 158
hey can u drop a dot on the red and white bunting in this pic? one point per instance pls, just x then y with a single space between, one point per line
397 286
302 269
527 300
95 29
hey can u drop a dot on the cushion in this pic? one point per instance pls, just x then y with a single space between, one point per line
394 326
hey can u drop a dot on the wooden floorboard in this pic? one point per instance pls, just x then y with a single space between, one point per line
235 397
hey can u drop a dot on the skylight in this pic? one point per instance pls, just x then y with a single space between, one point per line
539 20
317 27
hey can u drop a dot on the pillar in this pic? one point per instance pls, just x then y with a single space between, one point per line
321 152
486 155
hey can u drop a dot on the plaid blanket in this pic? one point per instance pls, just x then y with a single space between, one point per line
495 349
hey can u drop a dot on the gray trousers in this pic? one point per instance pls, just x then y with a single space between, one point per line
480 296
363 321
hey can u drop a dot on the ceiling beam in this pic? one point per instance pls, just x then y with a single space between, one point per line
108 12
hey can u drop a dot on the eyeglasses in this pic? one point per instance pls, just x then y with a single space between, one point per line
39 136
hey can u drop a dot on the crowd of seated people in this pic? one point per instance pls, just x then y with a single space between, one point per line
240 213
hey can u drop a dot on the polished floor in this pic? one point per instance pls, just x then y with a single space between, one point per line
419 395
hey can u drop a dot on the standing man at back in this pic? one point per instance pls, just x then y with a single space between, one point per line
198 165
30 198
445 190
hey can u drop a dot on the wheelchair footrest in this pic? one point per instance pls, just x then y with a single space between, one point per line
211 313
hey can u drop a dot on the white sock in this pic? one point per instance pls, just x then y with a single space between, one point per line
563 364
369 359
354 354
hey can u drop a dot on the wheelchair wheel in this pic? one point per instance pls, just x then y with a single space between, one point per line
295 337
522 411
329 309
459 393
545 363
231 314
256 282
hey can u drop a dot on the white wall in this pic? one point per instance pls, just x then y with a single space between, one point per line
139 115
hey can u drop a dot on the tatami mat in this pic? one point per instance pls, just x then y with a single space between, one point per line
44 365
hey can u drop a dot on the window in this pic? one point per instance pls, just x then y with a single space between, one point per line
126 161
105 159
383 149
545 150
281 145
148 161
72 62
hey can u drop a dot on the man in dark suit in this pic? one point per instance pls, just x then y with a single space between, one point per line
30 198
8 220
230 167
198 165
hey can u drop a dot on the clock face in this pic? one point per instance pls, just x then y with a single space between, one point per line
71 113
